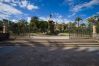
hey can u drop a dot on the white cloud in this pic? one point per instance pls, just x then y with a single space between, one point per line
59 20
28 19
26 4
71 15
9 9
13 4
79 7
44 18
30 7
2 16
14 20
7 0
57 15
6 11
97 13
21 3
69 2
75 9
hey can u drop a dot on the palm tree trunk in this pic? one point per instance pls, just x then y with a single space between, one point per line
78 30
78 23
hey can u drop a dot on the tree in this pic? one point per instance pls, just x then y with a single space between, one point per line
59 27
83 25
43 26
97 22
22 26
93 21
71 27
78 19
34 24
1 26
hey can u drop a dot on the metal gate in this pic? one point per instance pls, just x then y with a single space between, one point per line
80 33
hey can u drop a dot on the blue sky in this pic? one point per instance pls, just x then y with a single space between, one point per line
62 10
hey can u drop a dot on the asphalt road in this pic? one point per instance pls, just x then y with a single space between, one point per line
49 51
38 54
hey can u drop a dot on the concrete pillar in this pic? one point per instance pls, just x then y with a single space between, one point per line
94 31
4 28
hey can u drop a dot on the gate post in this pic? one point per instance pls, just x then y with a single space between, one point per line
4 27
94 31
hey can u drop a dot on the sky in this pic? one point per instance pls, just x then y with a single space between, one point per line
61 10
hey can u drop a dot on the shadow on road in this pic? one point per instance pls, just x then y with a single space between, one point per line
37 54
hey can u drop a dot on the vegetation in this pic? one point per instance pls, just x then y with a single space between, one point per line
78 19
40 26
94 21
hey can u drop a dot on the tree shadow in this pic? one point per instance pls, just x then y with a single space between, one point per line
49 53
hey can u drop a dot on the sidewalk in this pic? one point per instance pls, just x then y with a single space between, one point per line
49 37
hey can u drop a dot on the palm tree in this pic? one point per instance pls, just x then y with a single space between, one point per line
83 25
78 19
93 21
71 27
97 23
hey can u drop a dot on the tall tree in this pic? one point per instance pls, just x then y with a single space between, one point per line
1 26
97 22
78 19
34 23
43 26
71 27
22 25
83 25
93 21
